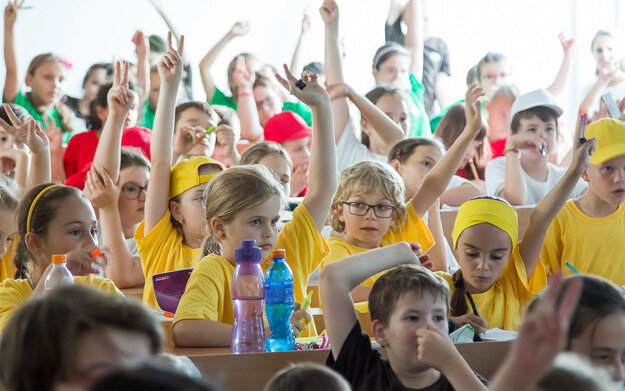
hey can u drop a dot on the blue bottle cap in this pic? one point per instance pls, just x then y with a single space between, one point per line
248 252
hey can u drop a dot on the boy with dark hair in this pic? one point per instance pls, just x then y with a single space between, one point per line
409 307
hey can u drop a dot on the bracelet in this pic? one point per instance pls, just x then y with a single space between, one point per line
515 150
245 93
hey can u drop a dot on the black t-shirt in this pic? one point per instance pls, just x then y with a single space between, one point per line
435 60
365 369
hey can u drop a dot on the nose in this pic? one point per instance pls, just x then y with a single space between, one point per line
619 371
370 214
91 242
142 195
267 231
619 175
482 264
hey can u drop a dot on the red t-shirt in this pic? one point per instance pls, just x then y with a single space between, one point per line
497 147
81 149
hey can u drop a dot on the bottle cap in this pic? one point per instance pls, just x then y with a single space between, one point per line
278 253
96 253
59 258
247 252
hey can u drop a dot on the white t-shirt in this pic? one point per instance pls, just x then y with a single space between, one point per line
349 150
536 190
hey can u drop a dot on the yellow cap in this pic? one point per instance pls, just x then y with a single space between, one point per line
59 258
487 210
185 174
610 135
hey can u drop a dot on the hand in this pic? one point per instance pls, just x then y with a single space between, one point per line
581 156
80 263
567 45
607 71
142 46
119 97
189 137
30 133
420 258
225 137
313 94
339 90
473 108
243 76
330 13
55 137
170 65
296 319
100 188
240 28
524 141
9 159
435 348
478 323
306 22
299 180
10 12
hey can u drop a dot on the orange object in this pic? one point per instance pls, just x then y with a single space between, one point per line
278 253
96 253
59 258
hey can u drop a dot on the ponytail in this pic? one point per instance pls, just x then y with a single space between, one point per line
458 304
21 260
67 118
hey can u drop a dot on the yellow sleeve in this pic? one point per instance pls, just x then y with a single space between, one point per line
514 278
551 252
207 295
7 267
337 251
413 230
13 294
102 284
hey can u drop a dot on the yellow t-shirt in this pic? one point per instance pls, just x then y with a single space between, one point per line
503 305
162 250
14 293
7 267
208 292
593 245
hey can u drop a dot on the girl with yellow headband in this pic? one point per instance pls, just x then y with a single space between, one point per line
52 219
502 274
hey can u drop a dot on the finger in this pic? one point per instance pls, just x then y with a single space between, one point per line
169 40
288 74
116 74
124 77
569 301
12 117
8 128
181 45
283 82
299 325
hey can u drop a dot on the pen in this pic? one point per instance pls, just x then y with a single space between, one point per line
306 303
208 131
473 307
572 268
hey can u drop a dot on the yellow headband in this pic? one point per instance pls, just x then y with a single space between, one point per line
32 206
484 210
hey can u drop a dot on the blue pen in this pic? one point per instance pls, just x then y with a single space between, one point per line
572 268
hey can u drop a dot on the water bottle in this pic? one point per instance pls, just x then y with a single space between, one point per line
59 275
100 262
248 330
279 303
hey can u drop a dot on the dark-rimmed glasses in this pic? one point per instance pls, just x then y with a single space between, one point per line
361 209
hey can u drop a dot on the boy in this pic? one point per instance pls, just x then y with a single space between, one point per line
588 232
408 307
524 175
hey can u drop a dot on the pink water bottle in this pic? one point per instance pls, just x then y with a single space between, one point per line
248 330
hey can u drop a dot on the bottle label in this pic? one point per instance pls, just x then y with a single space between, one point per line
279 292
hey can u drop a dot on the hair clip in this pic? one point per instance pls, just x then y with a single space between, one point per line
300 84
65 61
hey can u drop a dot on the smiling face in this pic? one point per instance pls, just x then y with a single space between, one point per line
131 202
47 82
606 181
394 71
414 170
483 251
366 231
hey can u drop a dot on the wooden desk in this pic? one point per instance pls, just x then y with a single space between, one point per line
242 372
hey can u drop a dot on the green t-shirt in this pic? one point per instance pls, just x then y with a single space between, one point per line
147 121
419 123
297 107
23 101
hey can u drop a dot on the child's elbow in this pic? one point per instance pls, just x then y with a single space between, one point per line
182 334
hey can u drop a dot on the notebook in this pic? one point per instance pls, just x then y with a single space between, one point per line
169 287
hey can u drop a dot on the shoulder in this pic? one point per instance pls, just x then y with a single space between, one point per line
11 289
103 284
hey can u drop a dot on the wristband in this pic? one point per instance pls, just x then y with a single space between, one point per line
240 94
515 150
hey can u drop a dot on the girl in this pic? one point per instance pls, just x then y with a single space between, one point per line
274 157
69 338
170 236
501 274
96 77
205 314
45 76
369 208
52 219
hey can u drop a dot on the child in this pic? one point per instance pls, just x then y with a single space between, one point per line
150 377
525 175
191 121
273 156
493 71
501 274
52 219
408 307
95 77
498 110
244 203
226 141
307 377
69 338
588 232
170 236
45 76
371 185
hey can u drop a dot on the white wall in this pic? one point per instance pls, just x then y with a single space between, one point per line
87 31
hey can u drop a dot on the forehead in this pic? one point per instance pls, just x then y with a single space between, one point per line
494 67
424 301
261 92
194 114
391 102
8 223
75 209
425 151
603 41
485 237
368 196
535 120
270 207
610 332
396 61
134 174
276 163
51 66
290 144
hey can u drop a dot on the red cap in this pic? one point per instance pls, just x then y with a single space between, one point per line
285 126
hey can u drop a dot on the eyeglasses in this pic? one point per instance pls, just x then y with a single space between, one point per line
132 192
494 76
361 209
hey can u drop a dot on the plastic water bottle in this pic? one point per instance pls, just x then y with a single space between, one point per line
248 330
279 303
59 275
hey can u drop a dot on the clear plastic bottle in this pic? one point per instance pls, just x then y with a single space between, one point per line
279 303
59 275
248 329
100 262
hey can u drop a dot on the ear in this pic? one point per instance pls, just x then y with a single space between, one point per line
365 126
174 208
339 211
396 164
585 176
379 332
33 243
218 227
374 72
101 112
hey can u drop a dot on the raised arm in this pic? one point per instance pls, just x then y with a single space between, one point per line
337 279
334 65
248 113
389 131
414 37
437 180
120 100
296 60
547 209
606 73
161 11
322 177
11 81
565 68
142 49
239 29
157 198
515 188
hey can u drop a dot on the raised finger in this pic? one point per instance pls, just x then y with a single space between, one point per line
569 301
124 77
169 40
282 81
181 45
14 120
289 75
8 128
116 73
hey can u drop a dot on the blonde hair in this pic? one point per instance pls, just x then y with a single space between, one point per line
253 155
233 191
368 177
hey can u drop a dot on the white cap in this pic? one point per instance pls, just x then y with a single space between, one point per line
533 99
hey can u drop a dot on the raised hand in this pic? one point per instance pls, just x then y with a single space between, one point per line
170 66
306 22
329 12
240 28
100 188
473 107
567 44
30 133
225 137
243 76
10 12
312 94
141 43
120 98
